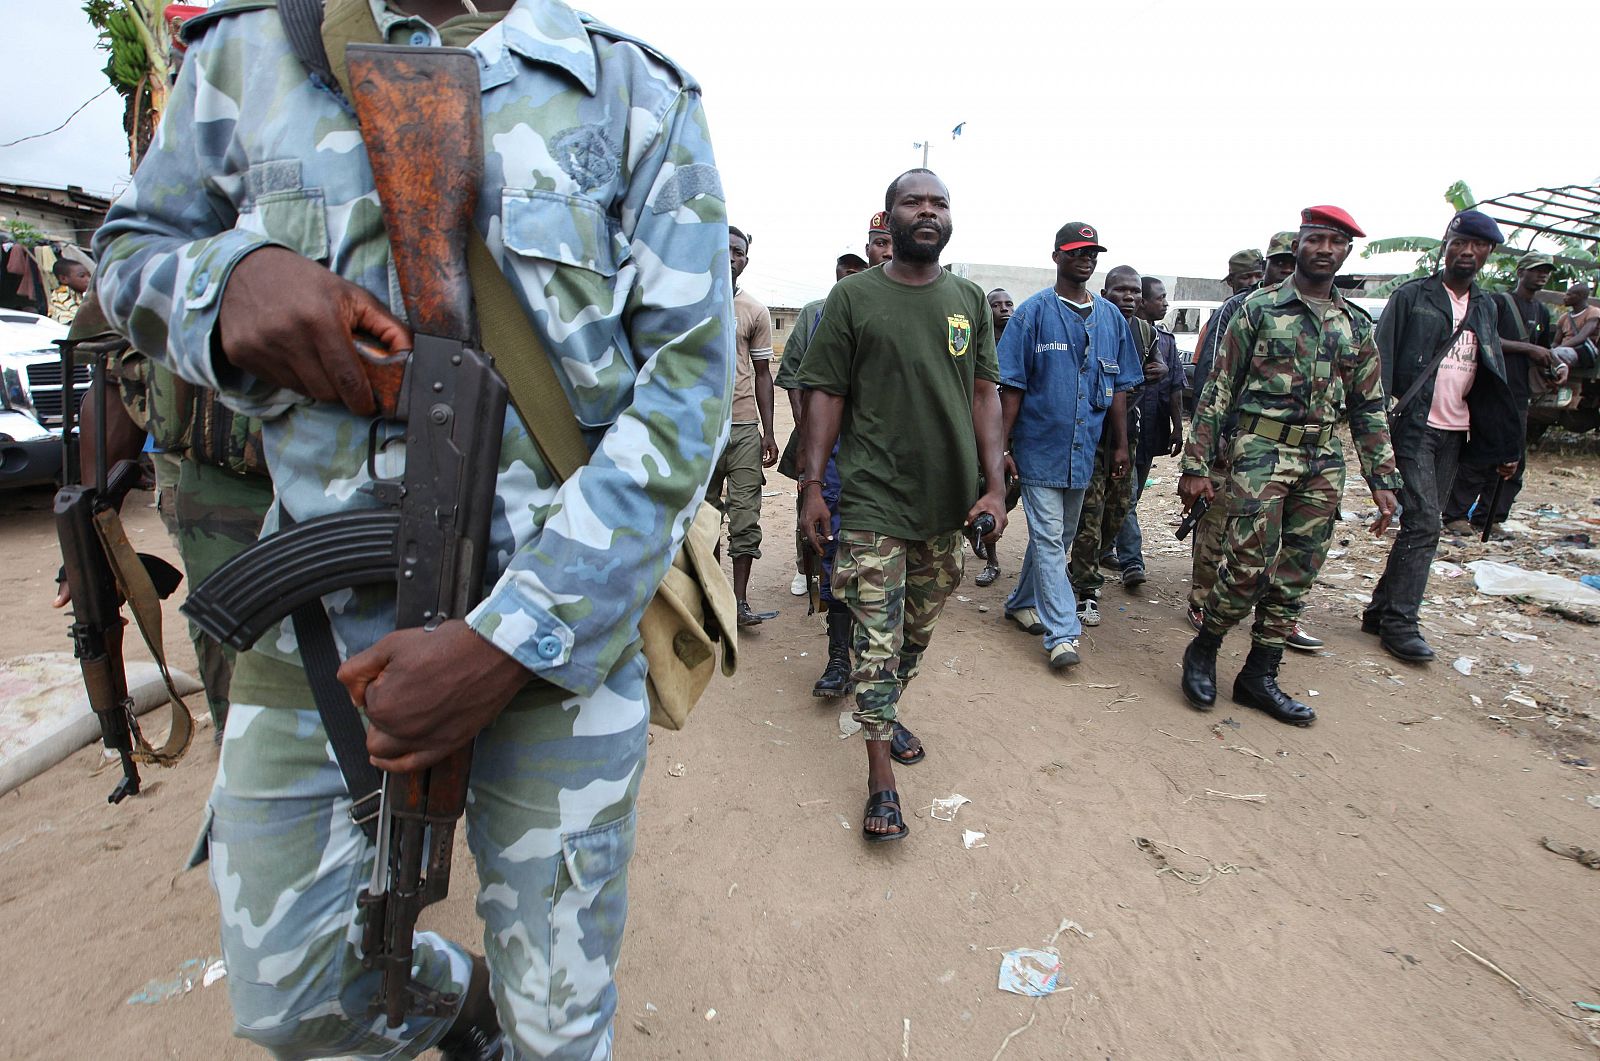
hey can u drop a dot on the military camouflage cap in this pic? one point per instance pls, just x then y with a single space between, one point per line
1244 261
1535 260
1282 243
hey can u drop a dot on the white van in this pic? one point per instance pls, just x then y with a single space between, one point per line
31 398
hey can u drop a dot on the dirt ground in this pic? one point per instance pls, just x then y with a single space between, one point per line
1243 889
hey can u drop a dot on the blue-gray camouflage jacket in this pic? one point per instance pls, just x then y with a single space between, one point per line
601 201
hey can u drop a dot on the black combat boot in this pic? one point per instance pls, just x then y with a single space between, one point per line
1257 686
1200 669
476 1034
835 680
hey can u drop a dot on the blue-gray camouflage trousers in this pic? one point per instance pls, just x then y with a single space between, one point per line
550 821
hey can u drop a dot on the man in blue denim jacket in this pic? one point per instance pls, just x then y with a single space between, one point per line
1067 361
245 253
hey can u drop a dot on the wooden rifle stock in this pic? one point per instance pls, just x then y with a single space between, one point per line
418 110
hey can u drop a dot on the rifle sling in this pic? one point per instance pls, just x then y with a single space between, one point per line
340 718
133 580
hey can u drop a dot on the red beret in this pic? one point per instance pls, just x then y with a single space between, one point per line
1330 217
879 222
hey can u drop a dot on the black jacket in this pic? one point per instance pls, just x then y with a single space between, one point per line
1414 325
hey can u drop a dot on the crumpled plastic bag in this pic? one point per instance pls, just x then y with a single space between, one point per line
1559 594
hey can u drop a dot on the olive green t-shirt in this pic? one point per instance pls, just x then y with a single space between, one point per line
905 359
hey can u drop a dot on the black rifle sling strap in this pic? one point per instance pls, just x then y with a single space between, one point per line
346 733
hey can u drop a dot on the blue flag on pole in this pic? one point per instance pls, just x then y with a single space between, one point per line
957 130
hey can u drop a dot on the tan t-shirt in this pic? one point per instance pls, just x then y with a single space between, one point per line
1570 322
753 329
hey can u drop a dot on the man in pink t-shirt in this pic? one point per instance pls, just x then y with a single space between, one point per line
1449 409
1445 373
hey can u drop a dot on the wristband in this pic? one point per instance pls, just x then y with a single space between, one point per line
805 483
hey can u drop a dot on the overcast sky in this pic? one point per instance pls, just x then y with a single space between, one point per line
1183 130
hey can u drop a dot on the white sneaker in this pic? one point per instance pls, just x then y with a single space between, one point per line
1064 655
1028 619
1089 613
798 586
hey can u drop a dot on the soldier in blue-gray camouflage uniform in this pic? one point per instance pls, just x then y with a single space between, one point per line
246 251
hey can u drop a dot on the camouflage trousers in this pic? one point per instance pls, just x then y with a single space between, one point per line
211 514
1279 513
1106 504
895 590
1205 541
550 822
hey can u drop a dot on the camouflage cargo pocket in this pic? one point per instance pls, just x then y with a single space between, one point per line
297 219
566 247
588 907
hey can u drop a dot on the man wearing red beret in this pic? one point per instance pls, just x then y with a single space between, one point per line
1291 360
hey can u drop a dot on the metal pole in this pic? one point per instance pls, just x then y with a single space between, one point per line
925 154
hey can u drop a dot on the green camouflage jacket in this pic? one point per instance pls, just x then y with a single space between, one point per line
601 201
1279 362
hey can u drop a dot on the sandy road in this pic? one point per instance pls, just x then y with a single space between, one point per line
1315 921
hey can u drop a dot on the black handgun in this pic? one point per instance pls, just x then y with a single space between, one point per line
1190 518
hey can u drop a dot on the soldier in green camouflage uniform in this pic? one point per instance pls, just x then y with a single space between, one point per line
1293 361
1206 542
246 250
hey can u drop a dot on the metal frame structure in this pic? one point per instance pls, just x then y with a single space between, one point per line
1571 211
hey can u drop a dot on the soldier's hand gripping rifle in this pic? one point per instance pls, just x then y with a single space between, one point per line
99 580
418 109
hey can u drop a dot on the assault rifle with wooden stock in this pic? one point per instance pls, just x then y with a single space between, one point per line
86 517
419 116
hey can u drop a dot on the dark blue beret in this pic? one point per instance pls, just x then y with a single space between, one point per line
1473 224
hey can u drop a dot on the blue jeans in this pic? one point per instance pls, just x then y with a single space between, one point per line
1130 541
1043 584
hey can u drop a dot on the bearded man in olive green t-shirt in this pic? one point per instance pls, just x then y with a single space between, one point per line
901 373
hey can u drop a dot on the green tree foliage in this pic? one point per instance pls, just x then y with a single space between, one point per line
22 232
1501 269
133 35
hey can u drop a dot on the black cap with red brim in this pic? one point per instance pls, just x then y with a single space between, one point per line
1075 235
